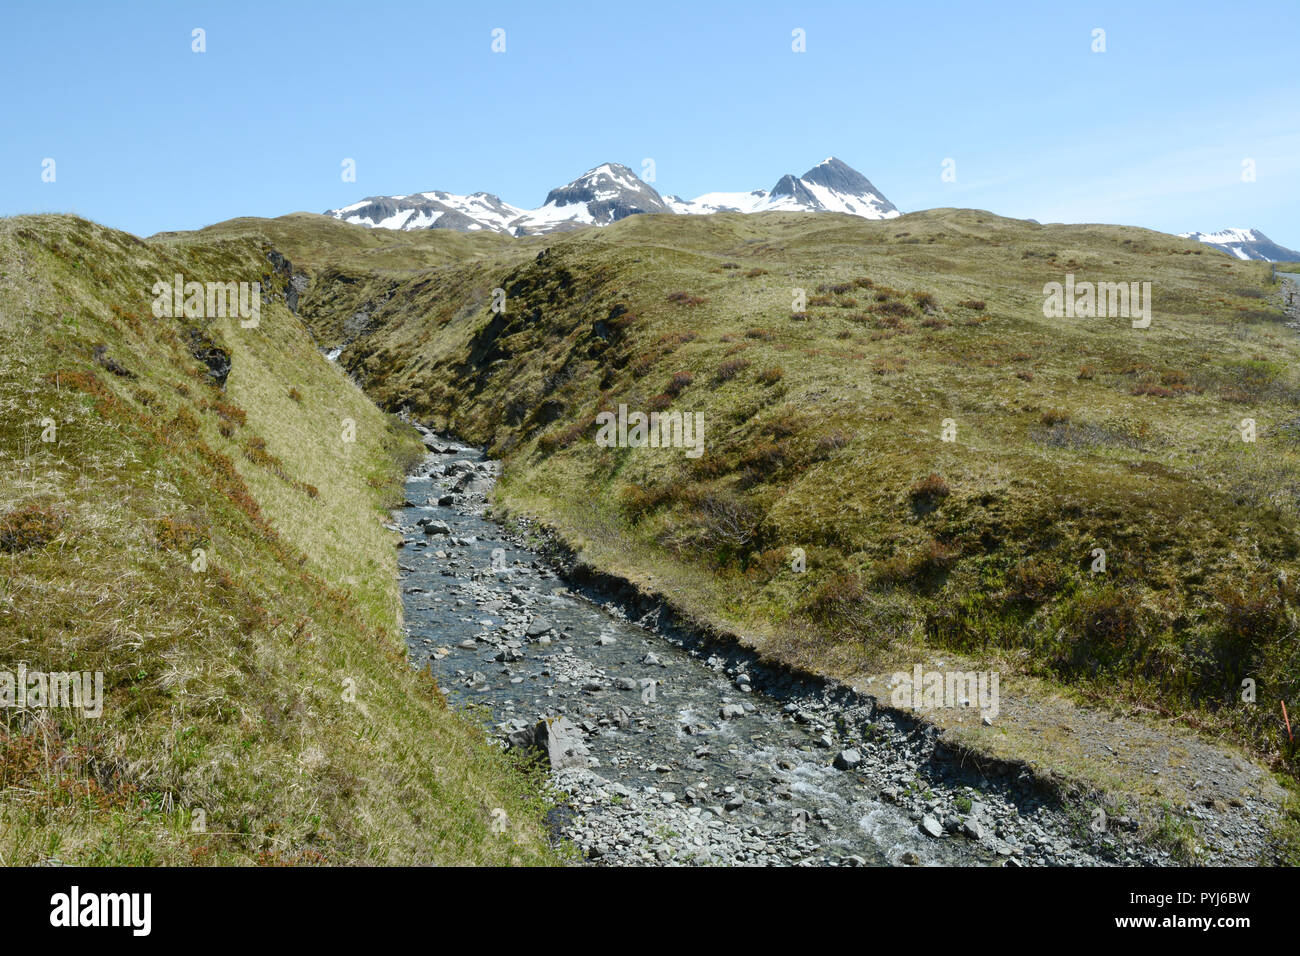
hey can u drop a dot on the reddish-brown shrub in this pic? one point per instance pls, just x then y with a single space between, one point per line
680 381
731 368
27 528
685 298
929 490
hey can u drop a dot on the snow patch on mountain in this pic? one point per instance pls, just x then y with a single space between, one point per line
431 210
1245 244
718 202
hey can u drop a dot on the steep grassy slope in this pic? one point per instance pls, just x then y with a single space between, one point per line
259 708
824 432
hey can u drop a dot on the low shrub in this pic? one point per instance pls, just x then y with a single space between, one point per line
28 528
929 491
731 368
679 383
685 298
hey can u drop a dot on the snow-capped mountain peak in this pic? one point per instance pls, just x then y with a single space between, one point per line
838 187
1245 244
830 186
606 181
610 192
598 197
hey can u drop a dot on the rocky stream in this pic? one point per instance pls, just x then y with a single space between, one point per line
666 749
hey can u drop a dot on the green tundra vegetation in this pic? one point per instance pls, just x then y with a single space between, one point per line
179 511
829 357
1172 448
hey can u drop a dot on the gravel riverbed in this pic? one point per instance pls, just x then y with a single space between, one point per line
671 751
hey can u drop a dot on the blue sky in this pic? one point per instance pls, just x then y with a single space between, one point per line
148 135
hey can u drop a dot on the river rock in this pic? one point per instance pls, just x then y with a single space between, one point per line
561 742
847 759
522 738
973 829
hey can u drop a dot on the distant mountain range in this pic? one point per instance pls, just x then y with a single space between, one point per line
1245 244
611 192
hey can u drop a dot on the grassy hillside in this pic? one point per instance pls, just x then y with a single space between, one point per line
823 432
259 709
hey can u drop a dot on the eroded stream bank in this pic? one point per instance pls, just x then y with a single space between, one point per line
676 752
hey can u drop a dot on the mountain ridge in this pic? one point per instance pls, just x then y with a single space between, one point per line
610 192
1245 244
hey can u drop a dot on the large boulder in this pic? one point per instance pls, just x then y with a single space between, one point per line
561 742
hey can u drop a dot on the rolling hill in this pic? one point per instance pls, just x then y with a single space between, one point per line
890 399
182 512
825 433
